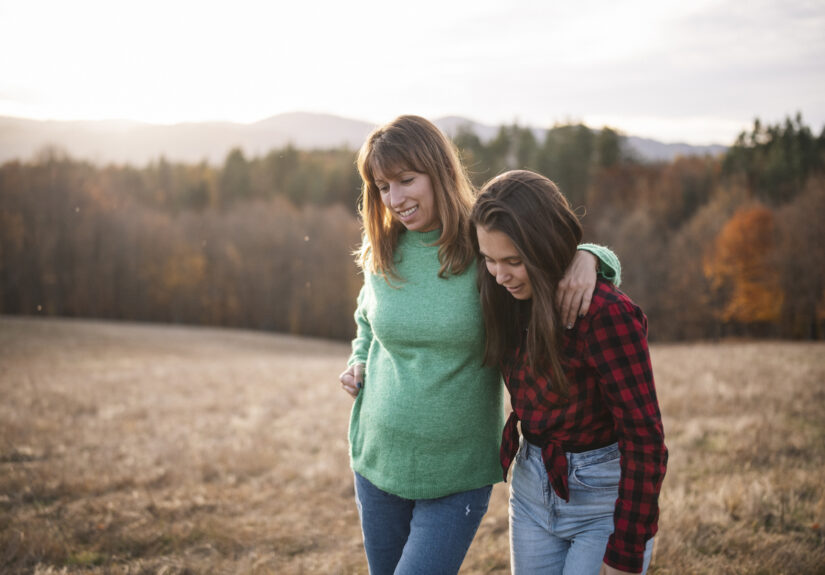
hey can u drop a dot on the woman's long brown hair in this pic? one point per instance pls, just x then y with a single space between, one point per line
533 213
416 144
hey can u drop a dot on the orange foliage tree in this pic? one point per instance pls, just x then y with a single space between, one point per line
739 266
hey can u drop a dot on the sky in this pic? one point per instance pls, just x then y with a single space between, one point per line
698 72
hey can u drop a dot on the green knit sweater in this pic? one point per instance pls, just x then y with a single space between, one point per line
428 420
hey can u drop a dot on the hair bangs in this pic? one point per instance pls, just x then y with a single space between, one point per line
389 159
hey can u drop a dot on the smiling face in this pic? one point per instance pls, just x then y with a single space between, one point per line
504 262
409 197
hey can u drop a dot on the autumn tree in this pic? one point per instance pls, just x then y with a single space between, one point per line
740 267
688 307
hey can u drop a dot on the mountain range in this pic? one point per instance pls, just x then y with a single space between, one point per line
135 143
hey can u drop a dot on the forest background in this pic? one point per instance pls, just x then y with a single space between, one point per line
711 246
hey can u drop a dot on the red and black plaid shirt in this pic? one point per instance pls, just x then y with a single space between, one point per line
611 398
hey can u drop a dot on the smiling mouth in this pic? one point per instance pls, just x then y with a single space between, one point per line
408 212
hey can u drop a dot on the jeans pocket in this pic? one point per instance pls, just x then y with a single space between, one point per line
600 475
521 453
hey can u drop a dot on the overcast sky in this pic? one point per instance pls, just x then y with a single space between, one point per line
697 71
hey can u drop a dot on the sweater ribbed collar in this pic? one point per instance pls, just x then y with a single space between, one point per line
420 239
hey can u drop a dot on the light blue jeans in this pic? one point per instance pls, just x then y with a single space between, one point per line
418 536
551 536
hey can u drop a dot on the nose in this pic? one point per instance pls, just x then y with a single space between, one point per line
396 195
502 275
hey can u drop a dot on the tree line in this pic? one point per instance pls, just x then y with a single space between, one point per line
710 246
180 243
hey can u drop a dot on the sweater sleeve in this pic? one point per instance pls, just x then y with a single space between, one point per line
363 334
609 266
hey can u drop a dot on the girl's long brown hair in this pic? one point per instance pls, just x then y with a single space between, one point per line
533 213
416 144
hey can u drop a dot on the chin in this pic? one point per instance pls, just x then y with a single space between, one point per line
523 295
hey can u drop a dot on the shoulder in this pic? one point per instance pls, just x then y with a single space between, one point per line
607 295
610 304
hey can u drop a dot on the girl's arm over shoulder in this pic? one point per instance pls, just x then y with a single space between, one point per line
575 290
610 268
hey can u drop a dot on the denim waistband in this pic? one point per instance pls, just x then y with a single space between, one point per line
575 459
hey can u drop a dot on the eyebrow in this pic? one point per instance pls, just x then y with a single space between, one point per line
395 171
512 257
387 176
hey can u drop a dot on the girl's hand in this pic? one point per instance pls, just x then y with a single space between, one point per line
608 570
576 287
352 380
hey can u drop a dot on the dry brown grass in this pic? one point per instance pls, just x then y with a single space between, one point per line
143 449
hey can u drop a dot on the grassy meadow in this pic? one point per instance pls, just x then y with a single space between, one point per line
132 449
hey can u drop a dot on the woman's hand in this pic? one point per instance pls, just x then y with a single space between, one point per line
576 287
352 380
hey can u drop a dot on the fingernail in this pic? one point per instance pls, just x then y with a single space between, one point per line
581 315
569 326
358 384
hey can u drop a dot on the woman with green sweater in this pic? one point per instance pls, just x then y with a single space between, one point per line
427 417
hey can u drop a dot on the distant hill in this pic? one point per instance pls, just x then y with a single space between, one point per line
652 150
644 148
138 143
115 141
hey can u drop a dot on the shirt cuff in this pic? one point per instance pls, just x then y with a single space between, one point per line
623 560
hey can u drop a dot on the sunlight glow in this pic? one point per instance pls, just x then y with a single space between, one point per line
637 63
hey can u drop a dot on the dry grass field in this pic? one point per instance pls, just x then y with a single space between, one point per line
145 449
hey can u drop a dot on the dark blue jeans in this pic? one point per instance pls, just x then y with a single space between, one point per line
415 536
